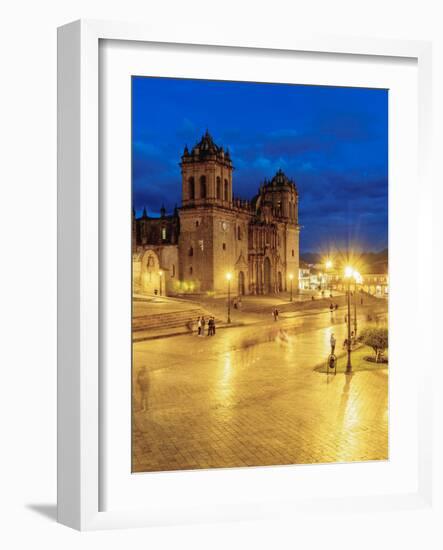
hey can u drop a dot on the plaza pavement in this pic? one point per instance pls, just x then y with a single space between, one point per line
249 396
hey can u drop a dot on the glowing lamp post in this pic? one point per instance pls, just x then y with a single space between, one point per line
328 265
160 274
358 279
349 273
228 278
291 277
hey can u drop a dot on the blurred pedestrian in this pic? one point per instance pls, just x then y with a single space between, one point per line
143 384
199 326
333 342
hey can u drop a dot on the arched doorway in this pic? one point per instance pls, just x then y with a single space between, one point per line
280 282
150 273
267 275
241 283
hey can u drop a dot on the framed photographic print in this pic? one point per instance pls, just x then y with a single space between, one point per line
232 314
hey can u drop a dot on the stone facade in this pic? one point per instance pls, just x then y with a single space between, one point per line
214 233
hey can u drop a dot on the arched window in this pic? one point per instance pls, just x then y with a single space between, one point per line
173 270
219 188
190 270
203 187
226 197
191 251
191 189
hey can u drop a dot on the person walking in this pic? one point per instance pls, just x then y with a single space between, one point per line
143 384
210 326
203 326
199 326
213 326
331 308
333 342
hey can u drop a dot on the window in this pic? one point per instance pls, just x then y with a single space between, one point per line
191 251
197 223
219 188
191 189
224 246
226 190
293 252
173 270
190 270
203 187
164 233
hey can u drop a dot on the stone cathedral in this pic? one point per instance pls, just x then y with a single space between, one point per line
213 233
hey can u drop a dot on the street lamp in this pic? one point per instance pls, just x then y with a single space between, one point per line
358 280
229 277
349 272
328 265
160 274
291 276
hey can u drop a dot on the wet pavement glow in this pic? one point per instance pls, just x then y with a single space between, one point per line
249 396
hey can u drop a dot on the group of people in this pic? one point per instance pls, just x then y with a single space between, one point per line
236 302
333 307
333 342
201 324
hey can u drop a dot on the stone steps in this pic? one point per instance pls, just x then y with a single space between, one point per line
170 320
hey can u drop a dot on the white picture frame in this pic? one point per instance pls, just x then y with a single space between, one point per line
79 269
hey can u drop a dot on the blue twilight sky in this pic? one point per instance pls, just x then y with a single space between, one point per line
332 141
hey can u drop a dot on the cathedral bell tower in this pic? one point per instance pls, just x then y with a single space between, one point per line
206 205
206 174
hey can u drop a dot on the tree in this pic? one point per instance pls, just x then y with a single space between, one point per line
377 339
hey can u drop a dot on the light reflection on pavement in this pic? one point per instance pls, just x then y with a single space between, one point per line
249 396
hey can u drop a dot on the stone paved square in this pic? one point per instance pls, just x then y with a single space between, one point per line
249 397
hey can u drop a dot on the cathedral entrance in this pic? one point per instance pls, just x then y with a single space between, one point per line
241 283
267 274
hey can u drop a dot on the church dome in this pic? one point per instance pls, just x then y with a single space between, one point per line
205 149
280 180
206 146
